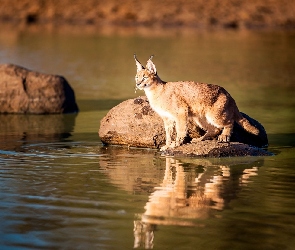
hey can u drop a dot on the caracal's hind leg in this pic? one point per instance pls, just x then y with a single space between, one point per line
226 133
224 116
223 120
211 133
169 126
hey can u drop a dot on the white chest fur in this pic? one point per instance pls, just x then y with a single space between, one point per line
156 106
161 112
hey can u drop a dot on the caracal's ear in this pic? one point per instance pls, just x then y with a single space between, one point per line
151 66
138 64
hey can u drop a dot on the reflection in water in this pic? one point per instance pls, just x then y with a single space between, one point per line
188 195
134 171
17 130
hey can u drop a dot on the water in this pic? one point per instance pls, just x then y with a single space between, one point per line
62 189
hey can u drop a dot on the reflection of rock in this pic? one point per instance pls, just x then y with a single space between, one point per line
139 174
25 91
16 130
186 194
134 123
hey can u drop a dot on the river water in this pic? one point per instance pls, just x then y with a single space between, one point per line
60 188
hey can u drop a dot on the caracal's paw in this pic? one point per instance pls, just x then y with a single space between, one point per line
224 138
197 139
164 148
175 144
171 145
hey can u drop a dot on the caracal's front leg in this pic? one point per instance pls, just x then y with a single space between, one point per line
181 127
169 126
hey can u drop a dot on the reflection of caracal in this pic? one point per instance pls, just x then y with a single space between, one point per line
210 106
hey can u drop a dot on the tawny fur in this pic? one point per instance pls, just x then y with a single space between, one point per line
210 106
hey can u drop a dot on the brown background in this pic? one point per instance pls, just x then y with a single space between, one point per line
266 14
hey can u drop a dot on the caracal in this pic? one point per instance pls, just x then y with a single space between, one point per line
211 106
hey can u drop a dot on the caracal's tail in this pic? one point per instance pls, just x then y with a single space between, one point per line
246 125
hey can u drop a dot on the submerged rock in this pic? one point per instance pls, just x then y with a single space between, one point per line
134 123
25 91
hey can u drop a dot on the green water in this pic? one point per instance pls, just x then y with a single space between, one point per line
62 189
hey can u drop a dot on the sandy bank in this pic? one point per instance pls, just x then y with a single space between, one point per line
235 14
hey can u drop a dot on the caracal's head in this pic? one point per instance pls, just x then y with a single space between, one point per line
145 76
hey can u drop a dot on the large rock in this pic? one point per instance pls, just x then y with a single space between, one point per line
134 123
25 91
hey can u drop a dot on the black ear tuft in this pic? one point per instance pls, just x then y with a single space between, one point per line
138 64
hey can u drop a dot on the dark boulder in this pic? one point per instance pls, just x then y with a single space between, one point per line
26 91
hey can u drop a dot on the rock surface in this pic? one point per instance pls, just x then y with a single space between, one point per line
134 123
25 91
212 148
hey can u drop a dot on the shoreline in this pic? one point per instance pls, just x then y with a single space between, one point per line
150 15
11 29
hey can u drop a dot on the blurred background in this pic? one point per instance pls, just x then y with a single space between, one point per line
234 14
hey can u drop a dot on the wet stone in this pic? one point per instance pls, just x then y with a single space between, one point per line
213 148
28 92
